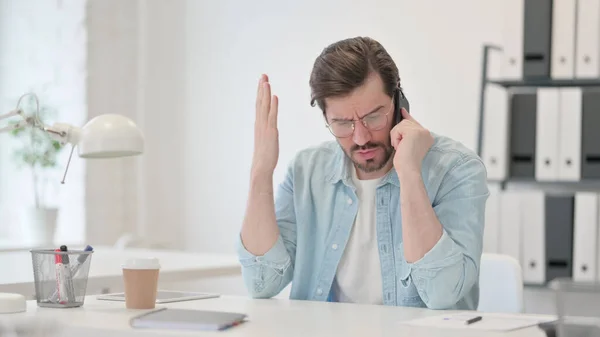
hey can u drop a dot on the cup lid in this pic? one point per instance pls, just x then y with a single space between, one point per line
141 263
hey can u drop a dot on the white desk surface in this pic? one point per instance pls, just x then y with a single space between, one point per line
105 267
266 317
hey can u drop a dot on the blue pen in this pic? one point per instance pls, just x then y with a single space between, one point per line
80 260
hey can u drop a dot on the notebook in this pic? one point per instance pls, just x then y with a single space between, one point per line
186 319
163 296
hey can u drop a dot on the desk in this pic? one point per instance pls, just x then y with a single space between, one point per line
266 317
105 268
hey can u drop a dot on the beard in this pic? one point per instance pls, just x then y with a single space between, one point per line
374 164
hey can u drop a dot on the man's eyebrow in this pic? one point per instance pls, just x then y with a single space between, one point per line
336 119
373 111
341 119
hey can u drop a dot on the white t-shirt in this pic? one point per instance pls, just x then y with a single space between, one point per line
358 278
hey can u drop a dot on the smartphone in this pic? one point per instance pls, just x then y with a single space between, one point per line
400 101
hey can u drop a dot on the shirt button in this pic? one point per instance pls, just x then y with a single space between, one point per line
319 291
349 201
334 246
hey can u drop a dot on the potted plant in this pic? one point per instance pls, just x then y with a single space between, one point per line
37 153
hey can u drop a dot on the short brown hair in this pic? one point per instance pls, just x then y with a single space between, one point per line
345 65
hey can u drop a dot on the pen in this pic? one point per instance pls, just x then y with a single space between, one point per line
60 277
81 259
70 289
473 320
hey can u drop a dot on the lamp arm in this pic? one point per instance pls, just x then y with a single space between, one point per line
60 132
15 112
27 121
64 133
21 124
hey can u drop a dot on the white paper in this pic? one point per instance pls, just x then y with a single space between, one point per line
489 321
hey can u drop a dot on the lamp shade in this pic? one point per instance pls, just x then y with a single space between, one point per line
108 136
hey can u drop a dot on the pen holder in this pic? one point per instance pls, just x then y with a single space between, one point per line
60 277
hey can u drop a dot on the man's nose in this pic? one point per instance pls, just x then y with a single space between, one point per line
361 134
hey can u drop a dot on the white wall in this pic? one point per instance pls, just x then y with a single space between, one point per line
186 71
436 44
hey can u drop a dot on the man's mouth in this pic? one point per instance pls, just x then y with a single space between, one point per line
367 153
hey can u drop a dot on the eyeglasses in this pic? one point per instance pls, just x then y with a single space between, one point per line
345 128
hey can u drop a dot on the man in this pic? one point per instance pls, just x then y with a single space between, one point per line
386 214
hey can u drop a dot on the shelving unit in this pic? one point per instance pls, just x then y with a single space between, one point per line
541 83
542 146
533 84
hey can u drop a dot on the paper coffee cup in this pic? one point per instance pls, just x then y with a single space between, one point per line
140 278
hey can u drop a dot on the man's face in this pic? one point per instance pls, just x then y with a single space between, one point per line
370 150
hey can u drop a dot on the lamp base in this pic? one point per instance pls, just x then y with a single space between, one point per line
12 303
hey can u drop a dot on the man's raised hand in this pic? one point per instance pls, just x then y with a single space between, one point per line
266 136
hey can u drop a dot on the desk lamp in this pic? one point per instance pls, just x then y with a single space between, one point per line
104 136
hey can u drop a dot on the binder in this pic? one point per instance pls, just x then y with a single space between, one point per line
547 134
559 236
570 124
494 64
587 45
494 150
585 237
513 31
537 31
493 213
590 140
533 223
563 39
510 224
523 135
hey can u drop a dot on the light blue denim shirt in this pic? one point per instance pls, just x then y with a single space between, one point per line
315 208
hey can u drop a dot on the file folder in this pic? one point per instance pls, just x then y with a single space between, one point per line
493 213
510 228
569 167
494 150
585 236
559 236
590 141
523 115
495 59
513 31
533 223
547 134
537 38
587 64
563 39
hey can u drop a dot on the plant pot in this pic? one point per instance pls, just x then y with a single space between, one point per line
39 226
